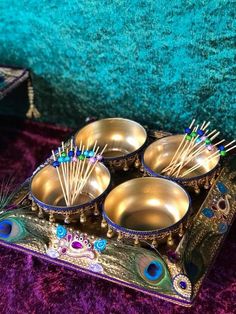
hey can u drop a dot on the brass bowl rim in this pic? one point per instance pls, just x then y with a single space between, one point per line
174 179
150 232
69 208
125 156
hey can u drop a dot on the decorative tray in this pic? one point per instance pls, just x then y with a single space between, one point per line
174 273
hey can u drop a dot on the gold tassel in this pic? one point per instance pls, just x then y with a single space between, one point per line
32 111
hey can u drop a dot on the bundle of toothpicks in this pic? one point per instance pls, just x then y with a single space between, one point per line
196 140
74 166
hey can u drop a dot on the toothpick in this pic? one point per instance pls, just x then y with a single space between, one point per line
182 153
60 180
173 158
63 173
82 175
85 179
208 159
192 153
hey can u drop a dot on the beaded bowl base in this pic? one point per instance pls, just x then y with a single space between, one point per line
173 273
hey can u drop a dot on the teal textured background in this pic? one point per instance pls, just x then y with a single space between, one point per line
158 62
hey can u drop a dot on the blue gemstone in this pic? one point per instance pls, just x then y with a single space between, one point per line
187 130
56 164
222 227
208 212
222 188
200 132
78 153
198 140
71 153
183 285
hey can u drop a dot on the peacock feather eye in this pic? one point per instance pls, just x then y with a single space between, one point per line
11 230
5 228
153 271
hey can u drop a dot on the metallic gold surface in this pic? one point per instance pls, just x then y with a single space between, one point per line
45 186
146 204
159 154
122 136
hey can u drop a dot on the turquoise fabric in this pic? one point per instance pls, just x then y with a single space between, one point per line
158 62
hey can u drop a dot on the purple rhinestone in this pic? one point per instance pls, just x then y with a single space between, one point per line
183 285
63 250
69 237
77 245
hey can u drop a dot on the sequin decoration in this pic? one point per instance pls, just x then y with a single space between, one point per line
182 286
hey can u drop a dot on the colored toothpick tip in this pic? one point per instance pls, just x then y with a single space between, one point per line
92 160
221 147
187 130
71 153
56 163
223 153
99 157
200 132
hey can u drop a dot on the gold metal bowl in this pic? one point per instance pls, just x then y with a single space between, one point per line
146 209
47 195
124 138
159 154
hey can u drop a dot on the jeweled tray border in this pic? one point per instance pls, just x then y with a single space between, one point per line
223 188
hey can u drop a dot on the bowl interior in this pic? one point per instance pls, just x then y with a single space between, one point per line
122 136
146 204
159 154
45 186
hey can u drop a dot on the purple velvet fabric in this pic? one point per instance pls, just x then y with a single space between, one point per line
31 285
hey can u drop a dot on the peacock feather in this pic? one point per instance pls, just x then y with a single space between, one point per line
197 249
7 192
140 266
18 225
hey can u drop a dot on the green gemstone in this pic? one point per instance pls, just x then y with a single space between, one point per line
81 157
63 154
207 141
193 134
223 153
188 137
